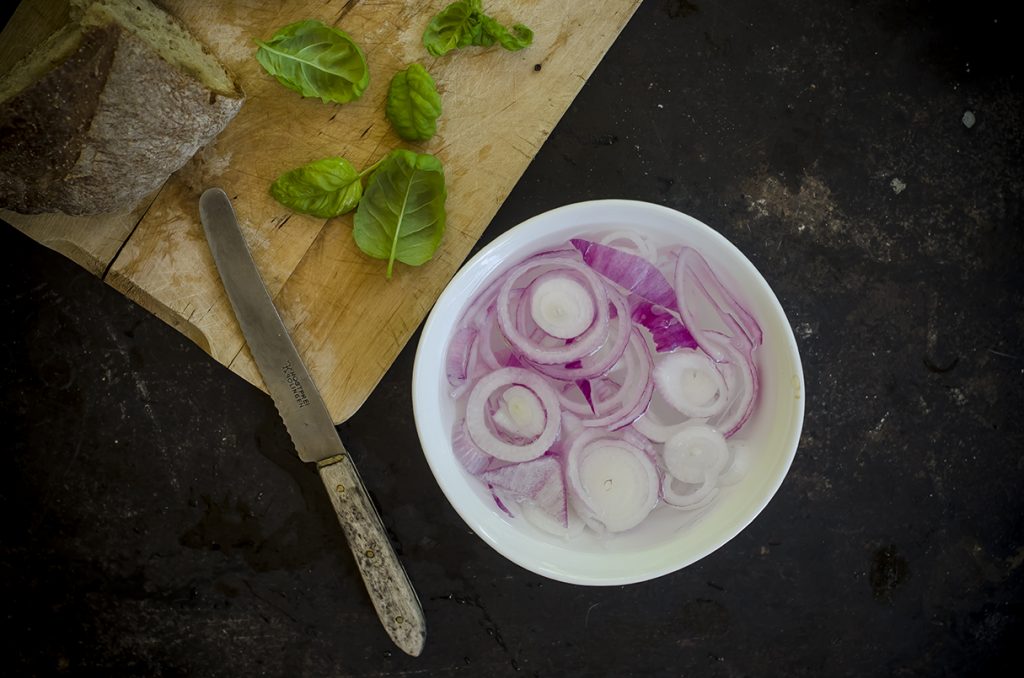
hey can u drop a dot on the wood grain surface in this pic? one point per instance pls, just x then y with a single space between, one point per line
347 321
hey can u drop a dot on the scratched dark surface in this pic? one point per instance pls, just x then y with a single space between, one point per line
156 523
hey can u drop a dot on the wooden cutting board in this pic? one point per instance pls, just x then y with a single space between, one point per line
347 320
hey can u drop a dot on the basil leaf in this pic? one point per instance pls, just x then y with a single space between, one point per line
413 104
463 23
325 188
401 216
513 41
316 60
451 26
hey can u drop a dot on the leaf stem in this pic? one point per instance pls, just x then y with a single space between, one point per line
372 167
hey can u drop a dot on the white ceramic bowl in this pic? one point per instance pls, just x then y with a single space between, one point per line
668 539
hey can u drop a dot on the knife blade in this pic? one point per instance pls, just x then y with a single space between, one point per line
310 425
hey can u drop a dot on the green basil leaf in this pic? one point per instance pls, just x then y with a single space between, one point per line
413 104
325 188
513 41
401 216
316 60
463 23
451 26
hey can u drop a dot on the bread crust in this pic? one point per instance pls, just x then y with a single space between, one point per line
104 128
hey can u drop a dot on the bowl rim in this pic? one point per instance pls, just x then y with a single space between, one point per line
421 390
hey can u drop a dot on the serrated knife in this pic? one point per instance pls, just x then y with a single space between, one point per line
310 425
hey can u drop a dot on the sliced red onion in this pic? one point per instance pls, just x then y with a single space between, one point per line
560 305
571 427
569 403
628 271
488 329
472 458
577 506
665 328
539 481
616 481
626 241
694 278
697 496
553 360
520 338
595 392
690 382
499 502
695 454
640 441
458 355
632 397
474 313
604 388
520 413
742 382
476 415
584 386
604 359
738 465
542 520
656 430
475 368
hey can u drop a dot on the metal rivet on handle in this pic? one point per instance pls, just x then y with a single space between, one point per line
340 489
369 553
399 619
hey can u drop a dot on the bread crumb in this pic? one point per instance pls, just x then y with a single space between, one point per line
205 168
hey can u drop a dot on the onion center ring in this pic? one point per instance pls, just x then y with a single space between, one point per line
586 343
616 481
484 437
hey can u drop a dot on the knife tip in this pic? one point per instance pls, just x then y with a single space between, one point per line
210 193
410 640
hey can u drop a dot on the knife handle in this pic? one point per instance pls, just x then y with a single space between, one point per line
386 580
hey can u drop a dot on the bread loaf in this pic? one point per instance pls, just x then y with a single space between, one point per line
106 109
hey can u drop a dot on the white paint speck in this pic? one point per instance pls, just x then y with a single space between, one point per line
760 206
881 422
968 120
804 330
897 185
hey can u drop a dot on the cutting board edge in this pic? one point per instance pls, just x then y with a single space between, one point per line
154 306
61 246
